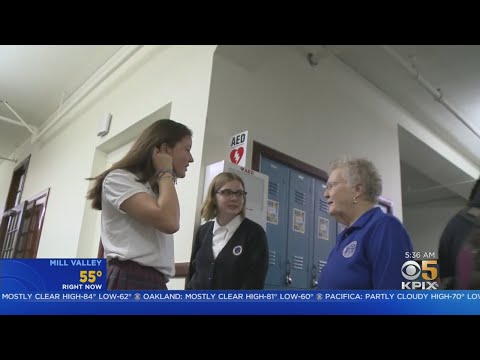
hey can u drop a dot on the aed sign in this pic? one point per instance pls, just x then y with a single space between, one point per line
238 148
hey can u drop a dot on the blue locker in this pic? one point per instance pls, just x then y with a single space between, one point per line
300 229
277 221
324 235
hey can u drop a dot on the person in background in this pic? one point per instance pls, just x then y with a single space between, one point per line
370 252
140 209
229 251
467 276
454 235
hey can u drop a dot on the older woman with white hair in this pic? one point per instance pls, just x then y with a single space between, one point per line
370 252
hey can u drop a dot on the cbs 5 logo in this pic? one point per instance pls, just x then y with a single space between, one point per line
411 270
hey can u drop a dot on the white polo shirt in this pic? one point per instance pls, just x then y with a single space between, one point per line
124 237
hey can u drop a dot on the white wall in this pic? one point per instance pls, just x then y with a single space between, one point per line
62 159
314 115
425 222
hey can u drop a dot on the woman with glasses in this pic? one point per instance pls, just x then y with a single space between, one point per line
229 251
371 251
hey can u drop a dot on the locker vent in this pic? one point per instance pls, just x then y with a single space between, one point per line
323 205
272 257
273 188
321 265
300 197
298 262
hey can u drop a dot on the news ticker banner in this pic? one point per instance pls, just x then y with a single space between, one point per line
263 302
78 286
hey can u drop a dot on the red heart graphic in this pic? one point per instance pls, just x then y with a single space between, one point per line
236 155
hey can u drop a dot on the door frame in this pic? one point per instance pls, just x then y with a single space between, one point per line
284 159
272 154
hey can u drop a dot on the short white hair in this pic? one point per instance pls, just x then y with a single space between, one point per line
361 171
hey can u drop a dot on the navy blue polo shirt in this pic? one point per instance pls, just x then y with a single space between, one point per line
368 255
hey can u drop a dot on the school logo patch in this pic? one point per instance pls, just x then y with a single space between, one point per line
349 250
237 250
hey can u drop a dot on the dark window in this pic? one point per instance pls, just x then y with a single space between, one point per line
21 223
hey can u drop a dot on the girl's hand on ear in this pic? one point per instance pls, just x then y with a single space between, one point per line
161 159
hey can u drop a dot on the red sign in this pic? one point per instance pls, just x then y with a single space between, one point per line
236 155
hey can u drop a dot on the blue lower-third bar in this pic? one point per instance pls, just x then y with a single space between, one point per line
180 302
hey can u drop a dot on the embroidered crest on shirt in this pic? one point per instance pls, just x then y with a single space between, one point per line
237 250
349 250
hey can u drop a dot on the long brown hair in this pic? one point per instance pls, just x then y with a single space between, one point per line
138 160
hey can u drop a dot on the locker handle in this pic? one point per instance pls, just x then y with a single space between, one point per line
314 278
288 278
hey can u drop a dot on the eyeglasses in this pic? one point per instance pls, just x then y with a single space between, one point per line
332 184
230 193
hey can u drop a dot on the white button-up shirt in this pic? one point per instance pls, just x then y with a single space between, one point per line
222 234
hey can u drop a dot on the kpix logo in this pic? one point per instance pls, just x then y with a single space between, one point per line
421 274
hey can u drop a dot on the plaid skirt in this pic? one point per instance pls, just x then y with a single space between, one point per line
128 275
